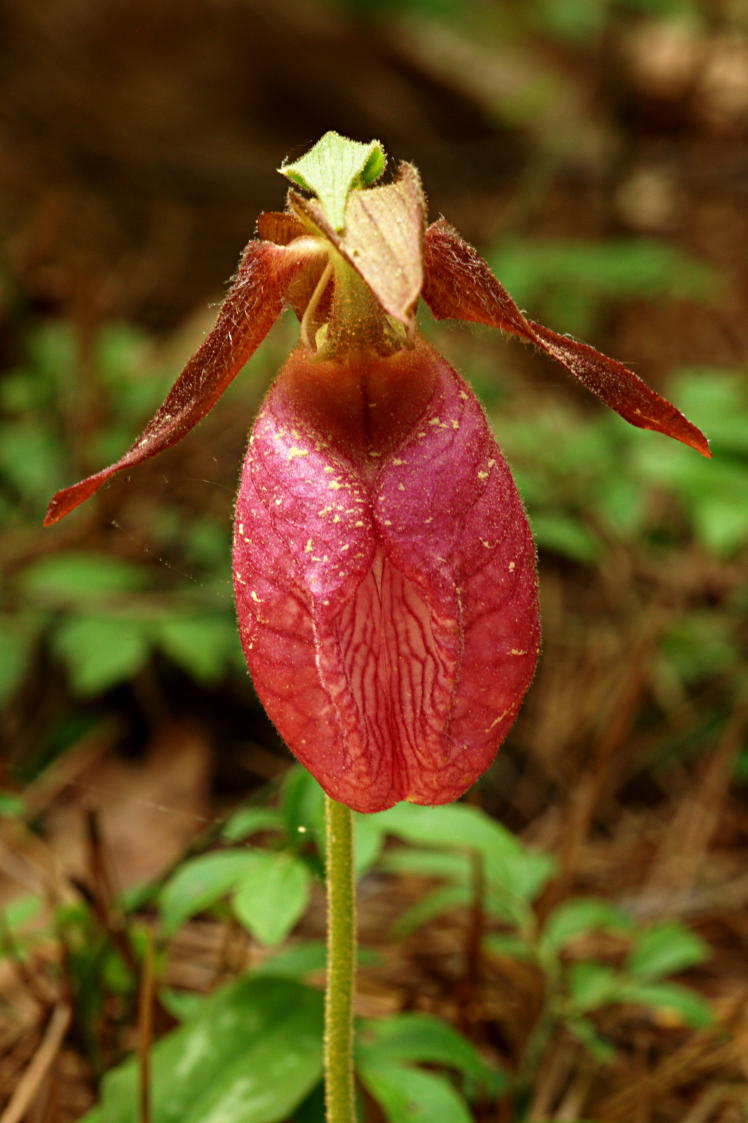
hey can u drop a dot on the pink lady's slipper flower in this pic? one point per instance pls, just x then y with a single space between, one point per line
383 566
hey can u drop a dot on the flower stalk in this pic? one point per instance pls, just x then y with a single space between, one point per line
341 963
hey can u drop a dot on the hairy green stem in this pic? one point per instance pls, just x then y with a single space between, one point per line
341 964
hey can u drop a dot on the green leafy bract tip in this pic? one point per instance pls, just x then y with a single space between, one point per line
333 168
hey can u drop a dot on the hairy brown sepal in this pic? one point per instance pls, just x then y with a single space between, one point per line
252 305
459 285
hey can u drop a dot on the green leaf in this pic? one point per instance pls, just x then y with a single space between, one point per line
690 1007
567 536
515 874
303 807
333 168
200 882
424 1039
295 962
16 648
101 651
586 1032
507 945
368 841
251 1055
592 985
306 958
272 895
12 805
455 826
80 577
579 916
248 821
407 1095
17 913
431 905
663 950
200 644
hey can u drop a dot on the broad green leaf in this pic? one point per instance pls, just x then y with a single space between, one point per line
333 168
429 863
663 950
579 916
306 958
81 577
690 1007
586 1032
249 820
592 985
368 841
11 805
200 644
251 1055
505 944
570 537
17 913
295 962
200 883
431 905
407 1095
303 807
101 651
424 1039
453 826
16 646
272 895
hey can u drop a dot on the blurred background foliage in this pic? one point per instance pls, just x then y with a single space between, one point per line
597 152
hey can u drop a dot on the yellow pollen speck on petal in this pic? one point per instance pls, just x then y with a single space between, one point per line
373 453
517 651
491 463
308 547
325 511
488 545
397 461
329 468
241 528
255 598
430 519
422 433
512 566
463 395
238 577
497 719
336 518
335 485
435 421
295 451
483 475
359 523
347 546
386 522
455 423
401 487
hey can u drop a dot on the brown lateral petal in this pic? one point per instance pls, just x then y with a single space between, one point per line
459 284
252 305
382 239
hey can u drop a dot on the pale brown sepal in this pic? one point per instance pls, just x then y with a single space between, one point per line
382 239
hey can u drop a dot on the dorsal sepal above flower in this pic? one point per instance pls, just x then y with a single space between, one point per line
382 240
459 285
334 168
